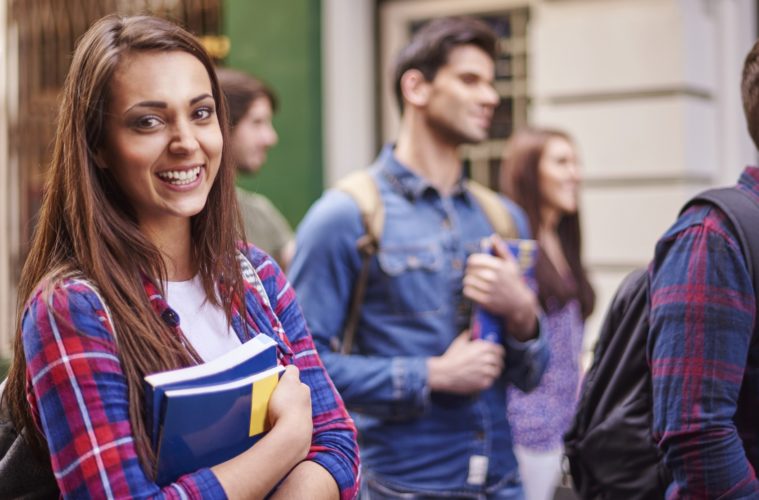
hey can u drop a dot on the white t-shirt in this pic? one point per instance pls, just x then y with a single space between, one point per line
204 324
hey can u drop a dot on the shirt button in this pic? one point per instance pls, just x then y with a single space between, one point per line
413 262
457 264
170 317
479 435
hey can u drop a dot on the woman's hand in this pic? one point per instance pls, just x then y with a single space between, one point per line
290 410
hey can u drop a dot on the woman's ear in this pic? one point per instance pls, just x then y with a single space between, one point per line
415 88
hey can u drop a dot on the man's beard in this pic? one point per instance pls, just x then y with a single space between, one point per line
451 134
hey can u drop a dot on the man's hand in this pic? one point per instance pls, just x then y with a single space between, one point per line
466 367
495 282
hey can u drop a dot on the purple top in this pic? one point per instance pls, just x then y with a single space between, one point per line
540 419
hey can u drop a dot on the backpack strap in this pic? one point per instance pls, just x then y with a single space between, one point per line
743 211
249 274
495 211
362 187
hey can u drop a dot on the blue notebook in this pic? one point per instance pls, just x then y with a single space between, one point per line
207 425
205 414
257 354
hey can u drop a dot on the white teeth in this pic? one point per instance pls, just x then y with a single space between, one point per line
180 177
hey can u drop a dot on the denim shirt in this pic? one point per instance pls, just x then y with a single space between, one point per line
413 309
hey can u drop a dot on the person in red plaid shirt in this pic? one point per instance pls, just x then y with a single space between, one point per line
136 267
704 351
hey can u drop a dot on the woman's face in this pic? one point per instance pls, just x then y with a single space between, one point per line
162 142
559 175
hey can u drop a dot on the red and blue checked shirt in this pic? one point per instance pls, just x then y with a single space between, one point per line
78 391
704 364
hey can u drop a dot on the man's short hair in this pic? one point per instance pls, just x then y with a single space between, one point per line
240 90
430 47
750 92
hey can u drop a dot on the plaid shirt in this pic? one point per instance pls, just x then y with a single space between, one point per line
706 393
78 392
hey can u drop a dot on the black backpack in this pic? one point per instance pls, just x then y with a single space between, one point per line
609 446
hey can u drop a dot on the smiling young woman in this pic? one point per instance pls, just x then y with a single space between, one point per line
139 206
162 144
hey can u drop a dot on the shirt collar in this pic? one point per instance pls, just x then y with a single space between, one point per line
408 183
750 179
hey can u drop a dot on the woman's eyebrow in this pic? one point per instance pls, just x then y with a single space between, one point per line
149 104
164 105
200 98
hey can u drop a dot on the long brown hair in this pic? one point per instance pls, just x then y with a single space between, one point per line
520 181
86 225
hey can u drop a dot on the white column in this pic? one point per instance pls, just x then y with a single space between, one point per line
348 86
6 192
736 35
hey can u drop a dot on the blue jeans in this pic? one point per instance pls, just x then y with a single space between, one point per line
508 489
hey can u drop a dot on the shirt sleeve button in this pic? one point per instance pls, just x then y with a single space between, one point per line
170 317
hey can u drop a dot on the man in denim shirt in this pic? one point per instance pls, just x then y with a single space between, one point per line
430 403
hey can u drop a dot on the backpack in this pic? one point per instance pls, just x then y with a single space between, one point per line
363 189
609 447
23 474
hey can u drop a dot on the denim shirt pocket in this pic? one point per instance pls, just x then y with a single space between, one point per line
413 276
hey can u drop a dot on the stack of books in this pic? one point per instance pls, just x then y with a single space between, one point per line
203 415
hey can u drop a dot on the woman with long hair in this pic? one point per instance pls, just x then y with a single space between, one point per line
540 172
137 267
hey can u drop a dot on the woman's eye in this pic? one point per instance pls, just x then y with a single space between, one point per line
147 122
203 113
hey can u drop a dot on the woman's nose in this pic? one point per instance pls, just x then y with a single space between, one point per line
183 141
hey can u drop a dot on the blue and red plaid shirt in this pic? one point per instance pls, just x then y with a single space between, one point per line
704 364
78 392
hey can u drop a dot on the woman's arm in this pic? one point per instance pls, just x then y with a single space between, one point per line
308 480
257 471
333 445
